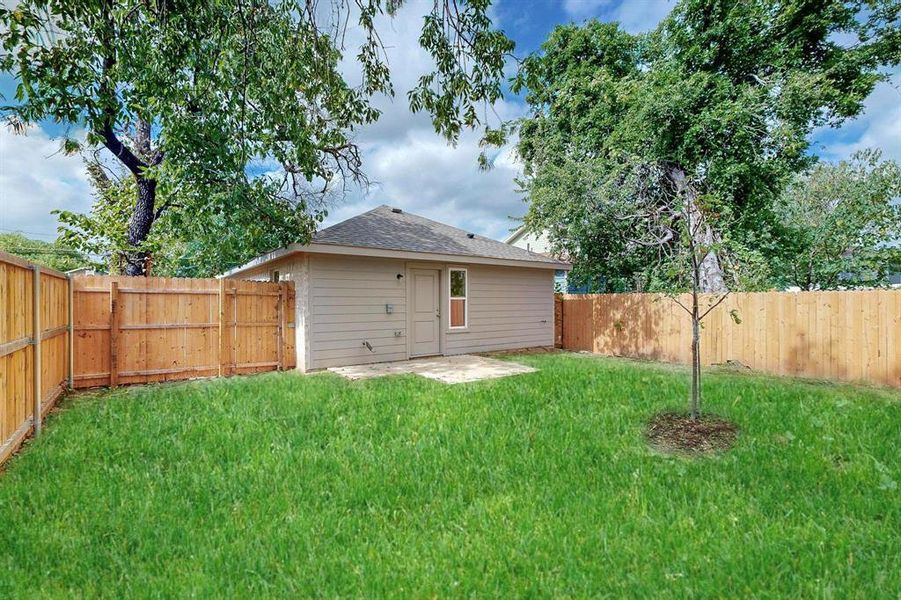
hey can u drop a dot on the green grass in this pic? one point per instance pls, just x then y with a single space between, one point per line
535 485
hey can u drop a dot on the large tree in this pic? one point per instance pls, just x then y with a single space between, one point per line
724 93
187 95
842 224
183 241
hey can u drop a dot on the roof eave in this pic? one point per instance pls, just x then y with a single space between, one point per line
261 260
345 250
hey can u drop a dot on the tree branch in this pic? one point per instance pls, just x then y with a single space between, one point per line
108 98
120 150
718 302
679 302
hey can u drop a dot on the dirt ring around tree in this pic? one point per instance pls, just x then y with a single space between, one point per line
678 433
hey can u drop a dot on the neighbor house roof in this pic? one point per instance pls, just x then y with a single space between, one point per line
517 233
390 232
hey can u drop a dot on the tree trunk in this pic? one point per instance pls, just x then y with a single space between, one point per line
711 279
137 159
139 226
710 273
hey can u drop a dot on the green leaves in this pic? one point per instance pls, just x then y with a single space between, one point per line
56 255
210 99
842 223
728 91
469 60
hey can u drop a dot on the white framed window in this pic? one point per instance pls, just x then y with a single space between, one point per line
274 276
458 285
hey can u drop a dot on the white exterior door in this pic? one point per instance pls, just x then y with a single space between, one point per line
426 313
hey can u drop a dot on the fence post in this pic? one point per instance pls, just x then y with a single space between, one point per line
563 323
113 334
558 320
233 340
222 328
36 341
282 297
71 319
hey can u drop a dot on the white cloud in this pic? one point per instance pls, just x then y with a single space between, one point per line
634 15
879 126
641 16
584 8
412 167
425 176
35 178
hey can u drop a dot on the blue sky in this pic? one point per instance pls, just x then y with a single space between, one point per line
409 166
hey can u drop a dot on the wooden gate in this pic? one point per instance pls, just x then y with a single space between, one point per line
138 330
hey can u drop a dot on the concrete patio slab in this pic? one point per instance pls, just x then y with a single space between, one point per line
446 369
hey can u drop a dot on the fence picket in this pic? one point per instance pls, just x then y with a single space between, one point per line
36 352
34 310
847 335
114 309
168 329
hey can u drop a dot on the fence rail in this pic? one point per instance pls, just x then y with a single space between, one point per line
35 362
843 335
139 330
58 333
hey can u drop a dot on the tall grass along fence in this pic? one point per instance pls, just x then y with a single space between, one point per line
35 357
58 332
842 335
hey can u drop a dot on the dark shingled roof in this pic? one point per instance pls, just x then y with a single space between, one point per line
389 229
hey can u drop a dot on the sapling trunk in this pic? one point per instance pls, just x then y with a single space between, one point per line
695 400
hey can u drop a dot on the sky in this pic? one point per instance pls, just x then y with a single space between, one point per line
408 165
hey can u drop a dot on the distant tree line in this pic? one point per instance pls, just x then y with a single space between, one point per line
48 254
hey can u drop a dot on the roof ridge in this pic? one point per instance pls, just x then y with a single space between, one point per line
387 227
371 210
442 224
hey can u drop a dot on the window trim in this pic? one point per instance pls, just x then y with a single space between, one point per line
451 298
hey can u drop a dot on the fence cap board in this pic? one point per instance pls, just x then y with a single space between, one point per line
21 262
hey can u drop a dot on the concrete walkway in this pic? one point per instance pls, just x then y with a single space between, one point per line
446 369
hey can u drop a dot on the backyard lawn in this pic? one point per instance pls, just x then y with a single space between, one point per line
534 485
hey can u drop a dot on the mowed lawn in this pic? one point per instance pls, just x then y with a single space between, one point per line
534 485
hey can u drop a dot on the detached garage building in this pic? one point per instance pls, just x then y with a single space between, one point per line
388 285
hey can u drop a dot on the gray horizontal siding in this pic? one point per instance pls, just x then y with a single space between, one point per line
509 308
347 306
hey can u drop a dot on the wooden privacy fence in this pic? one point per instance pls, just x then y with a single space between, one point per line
35 362
138 330
58 333
845 335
